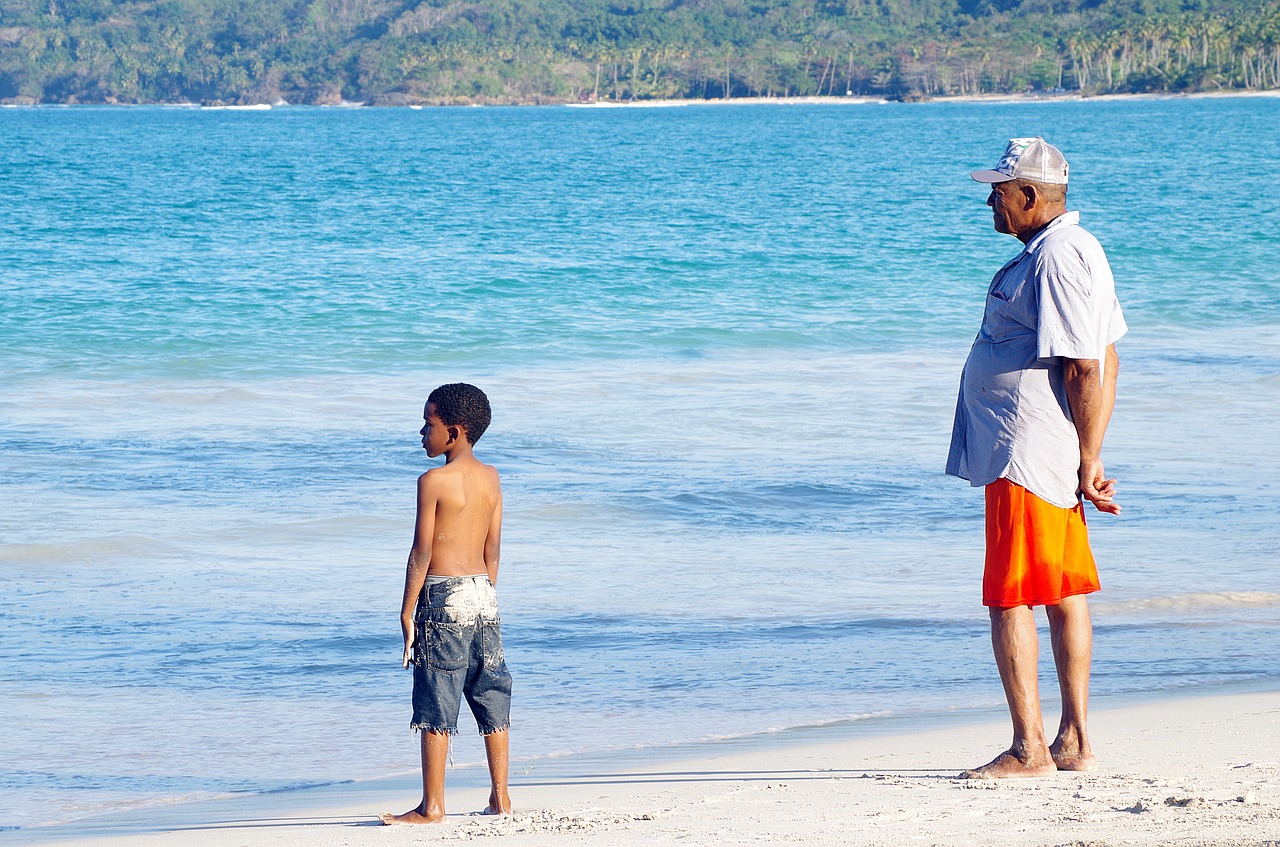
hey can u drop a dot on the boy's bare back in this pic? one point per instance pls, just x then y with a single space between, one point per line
459 516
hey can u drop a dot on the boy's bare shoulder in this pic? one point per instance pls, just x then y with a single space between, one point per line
435 478
431 475
455 471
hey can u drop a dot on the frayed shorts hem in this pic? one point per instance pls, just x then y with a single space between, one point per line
426 727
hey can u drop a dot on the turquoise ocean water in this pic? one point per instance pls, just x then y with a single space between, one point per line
722 345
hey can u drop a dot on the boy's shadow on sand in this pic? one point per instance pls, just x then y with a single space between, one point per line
601 779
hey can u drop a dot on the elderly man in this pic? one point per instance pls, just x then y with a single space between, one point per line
1035 398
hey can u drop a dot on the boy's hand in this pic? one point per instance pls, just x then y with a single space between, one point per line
407 627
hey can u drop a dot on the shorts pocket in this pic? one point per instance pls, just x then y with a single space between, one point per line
491 642
446 646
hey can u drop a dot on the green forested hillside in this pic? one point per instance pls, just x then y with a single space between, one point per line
439 51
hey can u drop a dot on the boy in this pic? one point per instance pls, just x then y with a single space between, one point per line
449 615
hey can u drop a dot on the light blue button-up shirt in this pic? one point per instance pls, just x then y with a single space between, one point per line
1055 299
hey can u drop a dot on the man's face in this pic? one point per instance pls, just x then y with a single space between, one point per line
435 435
1008 208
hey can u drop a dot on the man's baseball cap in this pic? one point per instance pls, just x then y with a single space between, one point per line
1028 158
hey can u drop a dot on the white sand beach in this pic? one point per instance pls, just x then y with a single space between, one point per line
863 100
1193 771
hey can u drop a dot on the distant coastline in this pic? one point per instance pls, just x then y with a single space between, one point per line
557 52
955 98
850 100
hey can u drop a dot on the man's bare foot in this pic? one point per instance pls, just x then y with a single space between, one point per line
1073 760
498 805
1008 765
411 816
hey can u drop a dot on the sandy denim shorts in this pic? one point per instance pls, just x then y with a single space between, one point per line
458 653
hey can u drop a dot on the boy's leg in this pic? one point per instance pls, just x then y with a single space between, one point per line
435 752
438 677
1072 634
488 693
496 751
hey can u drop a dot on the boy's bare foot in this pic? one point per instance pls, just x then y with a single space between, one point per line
1008 765
411 816
1073 760
498 805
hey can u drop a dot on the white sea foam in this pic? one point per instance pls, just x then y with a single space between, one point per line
1195 602
83 550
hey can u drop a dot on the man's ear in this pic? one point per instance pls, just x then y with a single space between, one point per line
1029 196
454 434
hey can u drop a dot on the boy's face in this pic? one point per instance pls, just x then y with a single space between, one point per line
435 435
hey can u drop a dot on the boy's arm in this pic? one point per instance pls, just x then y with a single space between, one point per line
493 542
419 560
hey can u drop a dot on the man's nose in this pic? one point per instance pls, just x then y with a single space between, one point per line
991 199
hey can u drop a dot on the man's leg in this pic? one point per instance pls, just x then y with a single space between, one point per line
495 749
1072 634
1017 652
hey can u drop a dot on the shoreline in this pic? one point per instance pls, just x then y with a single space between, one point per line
858 100
816 100
891 775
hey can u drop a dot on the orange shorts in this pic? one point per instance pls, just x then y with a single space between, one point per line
1037 553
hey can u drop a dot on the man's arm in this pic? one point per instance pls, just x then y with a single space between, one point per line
415 573
1091 393
1111 370
493 542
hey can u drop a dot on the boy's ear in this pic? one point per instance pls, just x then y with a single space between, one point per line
454 434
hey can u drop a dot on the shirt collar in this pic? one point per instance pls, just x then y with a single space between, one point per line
1065 219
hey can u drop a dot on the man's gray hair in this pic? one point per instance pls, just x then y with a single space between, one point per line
1051 192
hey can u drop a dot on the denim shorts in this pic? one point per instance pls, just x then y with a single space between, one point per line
458 653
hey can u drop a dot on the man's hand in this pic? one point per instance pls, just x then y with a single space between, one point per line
407 627
1097 489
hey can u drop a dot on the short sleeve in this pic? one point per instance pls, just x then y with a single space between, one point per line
1116 327
1071 322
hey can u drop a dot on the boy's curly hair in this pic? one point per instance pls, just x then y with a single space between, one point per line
460 404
